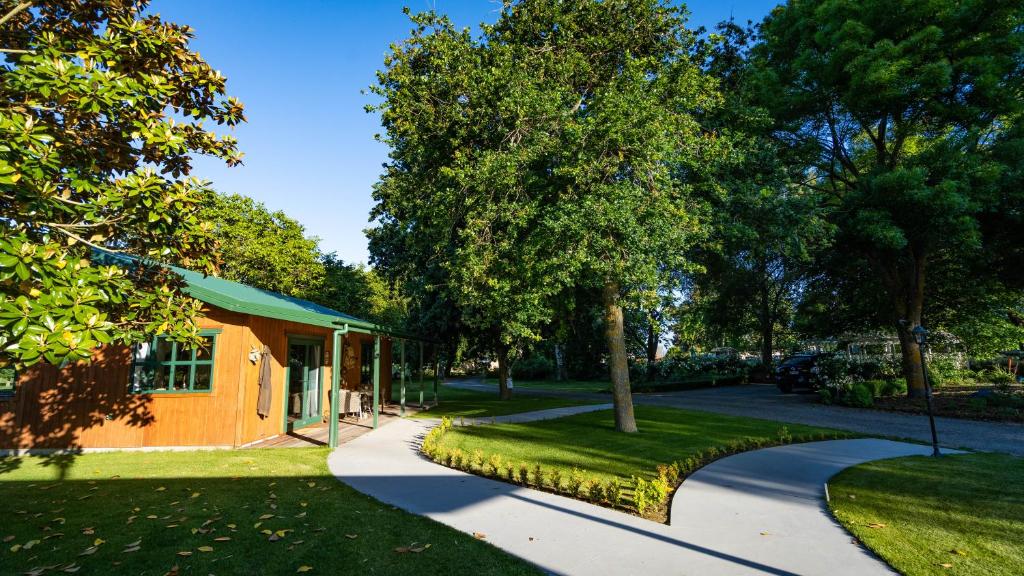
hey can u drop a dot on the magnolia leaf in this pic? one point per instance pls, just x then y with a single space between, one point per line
205 548
304 569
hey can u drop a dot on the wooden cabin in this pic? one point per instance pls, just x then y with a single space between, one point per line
161 394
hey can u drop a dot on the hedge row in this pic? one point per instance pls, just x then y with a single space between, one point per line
642 496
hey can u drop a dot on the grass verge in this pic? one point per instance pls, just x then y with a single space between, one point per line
959 514
457 402
217 512
576 453
561 386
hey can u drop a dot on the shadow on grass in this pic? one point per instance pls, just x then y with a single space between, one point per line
206 520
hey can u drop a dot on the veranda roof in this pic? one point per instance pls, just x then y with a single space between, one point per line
244 299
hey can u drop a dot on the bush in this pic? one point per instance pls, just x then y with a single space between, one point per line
556 480
533 367
861 396
575 481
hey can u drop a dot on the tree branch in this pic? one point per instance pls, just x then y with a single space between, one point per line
14 12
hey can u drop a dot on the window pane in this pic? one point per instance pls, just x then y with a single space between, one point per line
7 378
204 377
181 374
203 353
366 365
143 378
163 350
163 378
142 351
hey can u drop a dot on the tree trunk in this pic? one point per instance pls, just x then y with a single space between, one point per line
559 363
906 292
504 374
767 343
652 351
911 355
617 363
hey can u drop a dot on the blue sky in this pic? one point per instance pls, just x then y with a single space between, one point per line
299 66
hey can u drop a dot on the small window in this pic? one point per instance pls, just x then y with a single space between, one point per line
8 378
163 366
366 363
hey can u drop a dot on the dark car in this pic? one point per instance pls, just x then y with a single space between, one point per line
798 372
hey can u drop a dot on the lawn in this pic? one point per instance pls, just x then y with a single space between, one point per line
590 442
959 514
217 512
563 385
457 402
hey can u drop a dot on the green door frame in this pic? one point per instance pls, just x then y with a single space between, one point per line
306 341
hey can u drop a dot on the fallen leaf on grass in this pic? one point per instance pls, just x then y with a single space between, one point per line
173 571
8 538
304 569
311 484
402 549
71 568
351 536
16 547
419 549
161 489
98 541
876 525
266 516
205 548
946 565
765 534
479 535
131 549
196 495
232 526
89 551
222 539
185 553
152 517
958 552
28 545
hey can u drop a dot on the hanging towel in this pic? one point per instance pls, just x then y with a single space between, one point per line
263 404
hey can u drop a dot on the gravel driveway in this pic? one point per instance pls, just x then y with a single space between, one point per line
765 401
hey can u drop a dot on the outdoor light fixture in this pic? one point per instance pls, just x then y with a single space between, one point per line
921 337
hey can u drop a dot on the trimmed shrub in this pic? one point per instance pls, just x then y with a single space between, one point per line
860 396
556 480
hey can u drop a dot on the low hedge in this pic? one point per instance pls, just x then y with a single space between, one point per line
646 497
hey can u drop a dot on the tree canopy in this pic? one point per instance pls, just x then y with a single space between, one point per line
555 151
102 109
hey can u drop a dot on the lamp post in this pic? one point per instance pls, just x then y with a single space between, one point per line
921 337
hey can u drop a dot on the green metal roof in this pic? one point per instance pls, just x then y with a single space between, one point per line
244 299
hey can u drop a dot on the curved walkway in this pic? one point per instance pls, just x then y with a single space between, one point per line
759 512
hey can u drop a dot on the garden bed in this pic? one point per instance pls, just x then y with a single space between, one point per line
962 402
583 457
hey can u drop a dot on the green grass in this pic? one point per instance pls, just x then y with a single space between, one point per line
456 402
171 502
920 513
564 385
590 442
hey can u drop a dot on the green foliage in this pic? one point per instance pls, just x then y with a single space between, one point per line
485 219
101 112
909 130
261 248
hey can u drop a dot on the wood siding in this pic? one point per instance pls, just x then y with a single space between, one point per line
89 405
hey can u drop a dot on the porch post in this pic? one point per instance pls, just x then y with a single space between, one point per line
376 379
402 370
335 378
421 374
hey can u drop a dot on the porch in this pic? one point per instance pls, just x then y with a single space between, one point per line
350 427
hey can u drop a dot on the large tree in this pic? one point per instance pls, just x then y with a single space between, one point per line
101 111
551 153
909 107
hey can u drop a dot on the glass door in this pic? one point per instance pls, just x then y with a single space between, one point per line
302 401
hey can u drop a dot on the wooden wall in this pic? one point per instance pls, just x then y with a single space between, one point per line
88 405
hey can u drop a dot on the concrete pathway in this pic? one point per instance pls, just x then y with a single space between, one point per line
718 515
534 416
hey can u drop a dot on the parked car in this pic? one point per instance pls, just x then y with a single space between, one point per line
798 372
